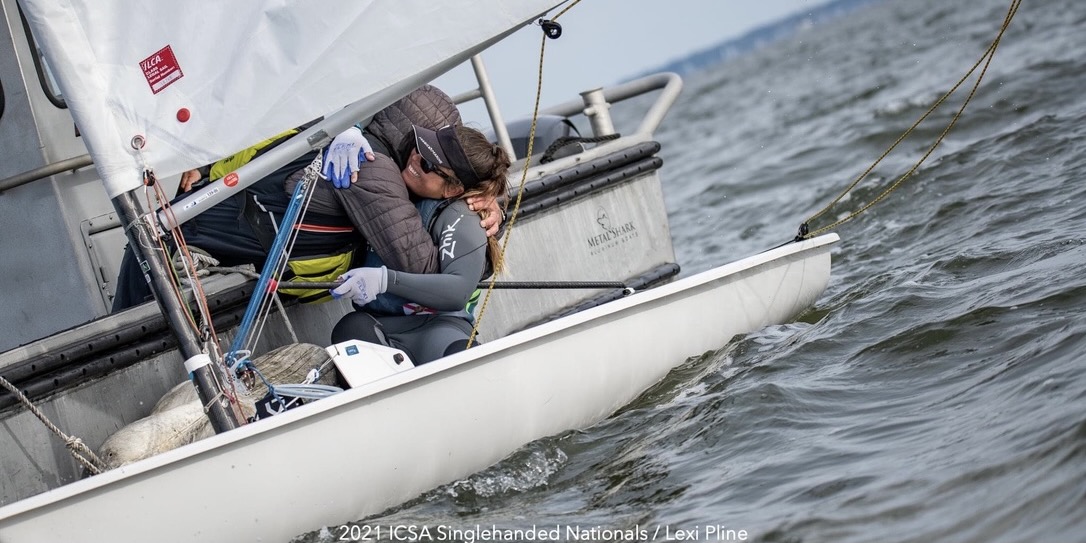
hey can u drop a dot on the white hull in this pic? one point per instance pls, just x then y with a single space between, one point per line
359 452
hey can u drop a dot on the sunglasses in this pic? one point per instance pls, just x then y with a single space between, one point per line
430 167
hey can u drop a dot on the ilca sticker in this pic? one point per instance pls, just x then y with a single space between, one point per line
161 69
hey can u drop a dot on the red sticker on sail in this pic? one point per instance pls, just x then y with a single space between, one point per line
161 69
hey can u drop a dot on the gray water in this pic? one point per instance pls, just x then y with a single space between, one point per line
936 392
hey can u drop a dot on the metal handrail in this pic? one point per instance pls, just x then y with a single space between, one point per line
48 170
486 92
670 82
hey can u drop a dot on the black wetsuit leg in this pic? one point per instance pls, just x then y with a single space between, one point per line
424 338
361 326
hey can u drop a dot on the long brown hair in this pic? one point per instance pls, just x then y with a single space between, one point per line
491 163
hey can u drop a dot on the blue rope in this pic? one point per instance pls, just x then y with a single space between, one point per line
252 311
297 392
286 229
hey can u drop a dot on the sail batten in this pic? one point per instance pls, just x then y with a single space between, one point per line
201 79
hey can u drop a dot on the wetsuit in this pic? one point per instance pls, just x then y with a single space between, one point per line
431 317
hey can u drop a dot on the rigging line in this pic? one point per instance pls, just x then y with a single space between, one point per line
269 300
272 296
296 233
986 60
271 263
258 302
158 244
565 9
79 450
524 171
210 340
248 272
188 263
280 267
482 284
520 188
149 180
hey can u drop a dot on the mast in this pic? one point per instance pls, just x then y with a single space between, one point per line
206 376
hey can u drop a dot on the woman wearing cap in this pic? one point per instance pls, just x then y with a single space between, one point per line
428 315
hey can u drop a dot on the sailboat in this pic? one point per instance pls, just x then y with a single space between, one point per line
165 88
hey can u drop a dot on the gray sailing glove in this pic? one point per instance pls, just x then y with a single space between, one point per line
362 285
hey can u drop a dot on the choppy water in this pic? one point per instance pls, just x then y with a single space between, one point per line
937 390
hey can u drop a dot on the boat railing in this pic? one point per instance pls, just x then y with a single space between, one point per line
48 170
594 104
486 92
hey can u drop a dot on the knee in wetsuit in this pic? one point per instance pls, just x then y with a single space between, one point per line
359 325
457 346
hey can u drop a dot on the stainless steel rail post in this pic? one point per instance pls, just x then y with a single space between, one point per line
487 93
598 112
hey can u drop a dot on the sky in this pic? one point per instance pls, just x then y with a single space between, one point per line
605 42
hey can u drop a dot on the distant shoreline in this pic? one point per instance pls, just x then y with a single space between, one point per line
757 38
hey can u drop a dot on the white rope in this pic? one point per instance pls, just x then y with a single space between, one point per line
76 447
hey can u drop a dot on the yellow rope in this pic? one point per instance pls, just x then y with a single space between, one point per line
523 180
986 59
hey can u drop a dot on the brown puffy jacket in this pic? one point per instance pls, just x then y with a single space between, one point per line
426 106
378 204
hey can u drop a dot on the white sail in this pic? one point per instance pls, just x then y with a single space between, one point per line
201 79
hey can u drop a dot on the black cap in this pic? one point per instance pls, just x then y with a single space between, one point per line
442 148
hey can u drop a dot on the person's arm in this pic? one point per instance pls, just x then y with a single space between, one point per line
191 177
379 207
462 250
